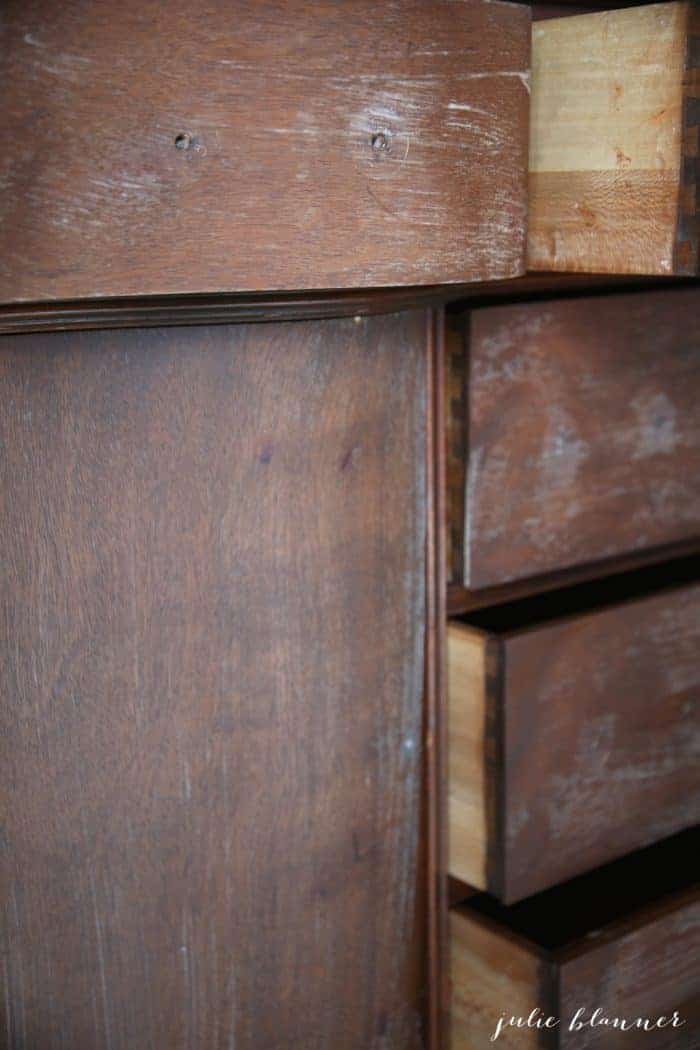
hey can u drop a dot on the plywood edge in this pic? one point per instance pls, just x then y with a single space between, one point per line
493 973
611 116
467 729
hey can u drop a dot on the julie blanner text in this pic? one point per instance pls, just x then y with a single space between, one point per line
585 1018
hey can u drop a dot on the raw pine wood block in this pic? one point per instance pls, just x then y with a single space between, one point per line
613 164
624 940
572 740
253 145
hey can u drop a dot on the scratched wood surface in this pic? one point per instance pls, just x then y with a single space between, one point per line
625 940
252 145
583 435
614 141
647 969
589 740
212 614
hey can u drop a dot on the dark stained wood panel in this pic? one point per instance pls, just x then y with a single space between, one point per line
573 730
601 746
648 969
174 148
212 619
583 436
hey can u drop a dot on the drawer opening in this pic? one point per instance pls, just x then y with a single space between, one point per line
624 941
572 729
585 597
585 906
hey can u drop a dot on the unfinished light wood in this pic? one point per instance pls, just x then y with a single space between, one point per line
490 972
614 141
154 148
575 739
466 690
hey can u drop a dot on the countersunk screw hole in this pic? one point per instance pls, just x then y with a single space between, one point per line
380 141
183 140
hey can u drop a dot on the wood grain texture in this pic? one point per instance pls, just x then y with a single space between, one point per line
492 973
613 146
456 393
584 434
595 943
328 145
212 612
648 968
587 748
602 738
467 691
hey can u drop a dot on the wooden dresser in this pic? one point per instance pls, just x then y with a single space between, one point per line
350 474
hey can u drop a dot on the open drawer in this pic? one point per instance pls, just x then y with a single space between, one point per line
622 944
615 112
573 730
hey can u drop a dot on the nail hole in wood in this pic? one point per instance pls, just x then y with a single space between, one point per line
380 141
183 140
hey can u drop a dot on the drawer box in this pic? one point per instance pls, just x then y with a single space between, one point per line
255 145
574 739
563 955
614 141
574 433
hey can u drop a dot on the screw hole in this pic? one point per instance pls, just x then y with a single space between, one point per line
183 140
380 141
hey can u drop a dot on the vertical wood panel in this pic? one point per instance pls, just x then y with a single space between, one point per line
212 619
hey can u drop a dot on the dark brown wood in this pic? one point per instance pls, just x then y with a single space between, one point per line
646 967
435 691
624 941
351 145
590 745
602 754
461 601
687 241
153 311
212 612
583 433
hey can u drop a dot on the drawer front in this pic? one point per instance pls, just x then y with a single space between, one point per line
583 432
573 742
594 945
158 149
649 969
613 144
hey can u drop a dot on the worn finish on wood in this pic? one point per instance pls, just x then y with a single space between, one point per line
435 720
212 612
614 141
589 740
647 968
595 943
461 601
325 146
583 432
456 387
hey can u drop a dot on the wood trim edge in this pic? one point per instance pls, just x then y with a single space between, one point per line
435 689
